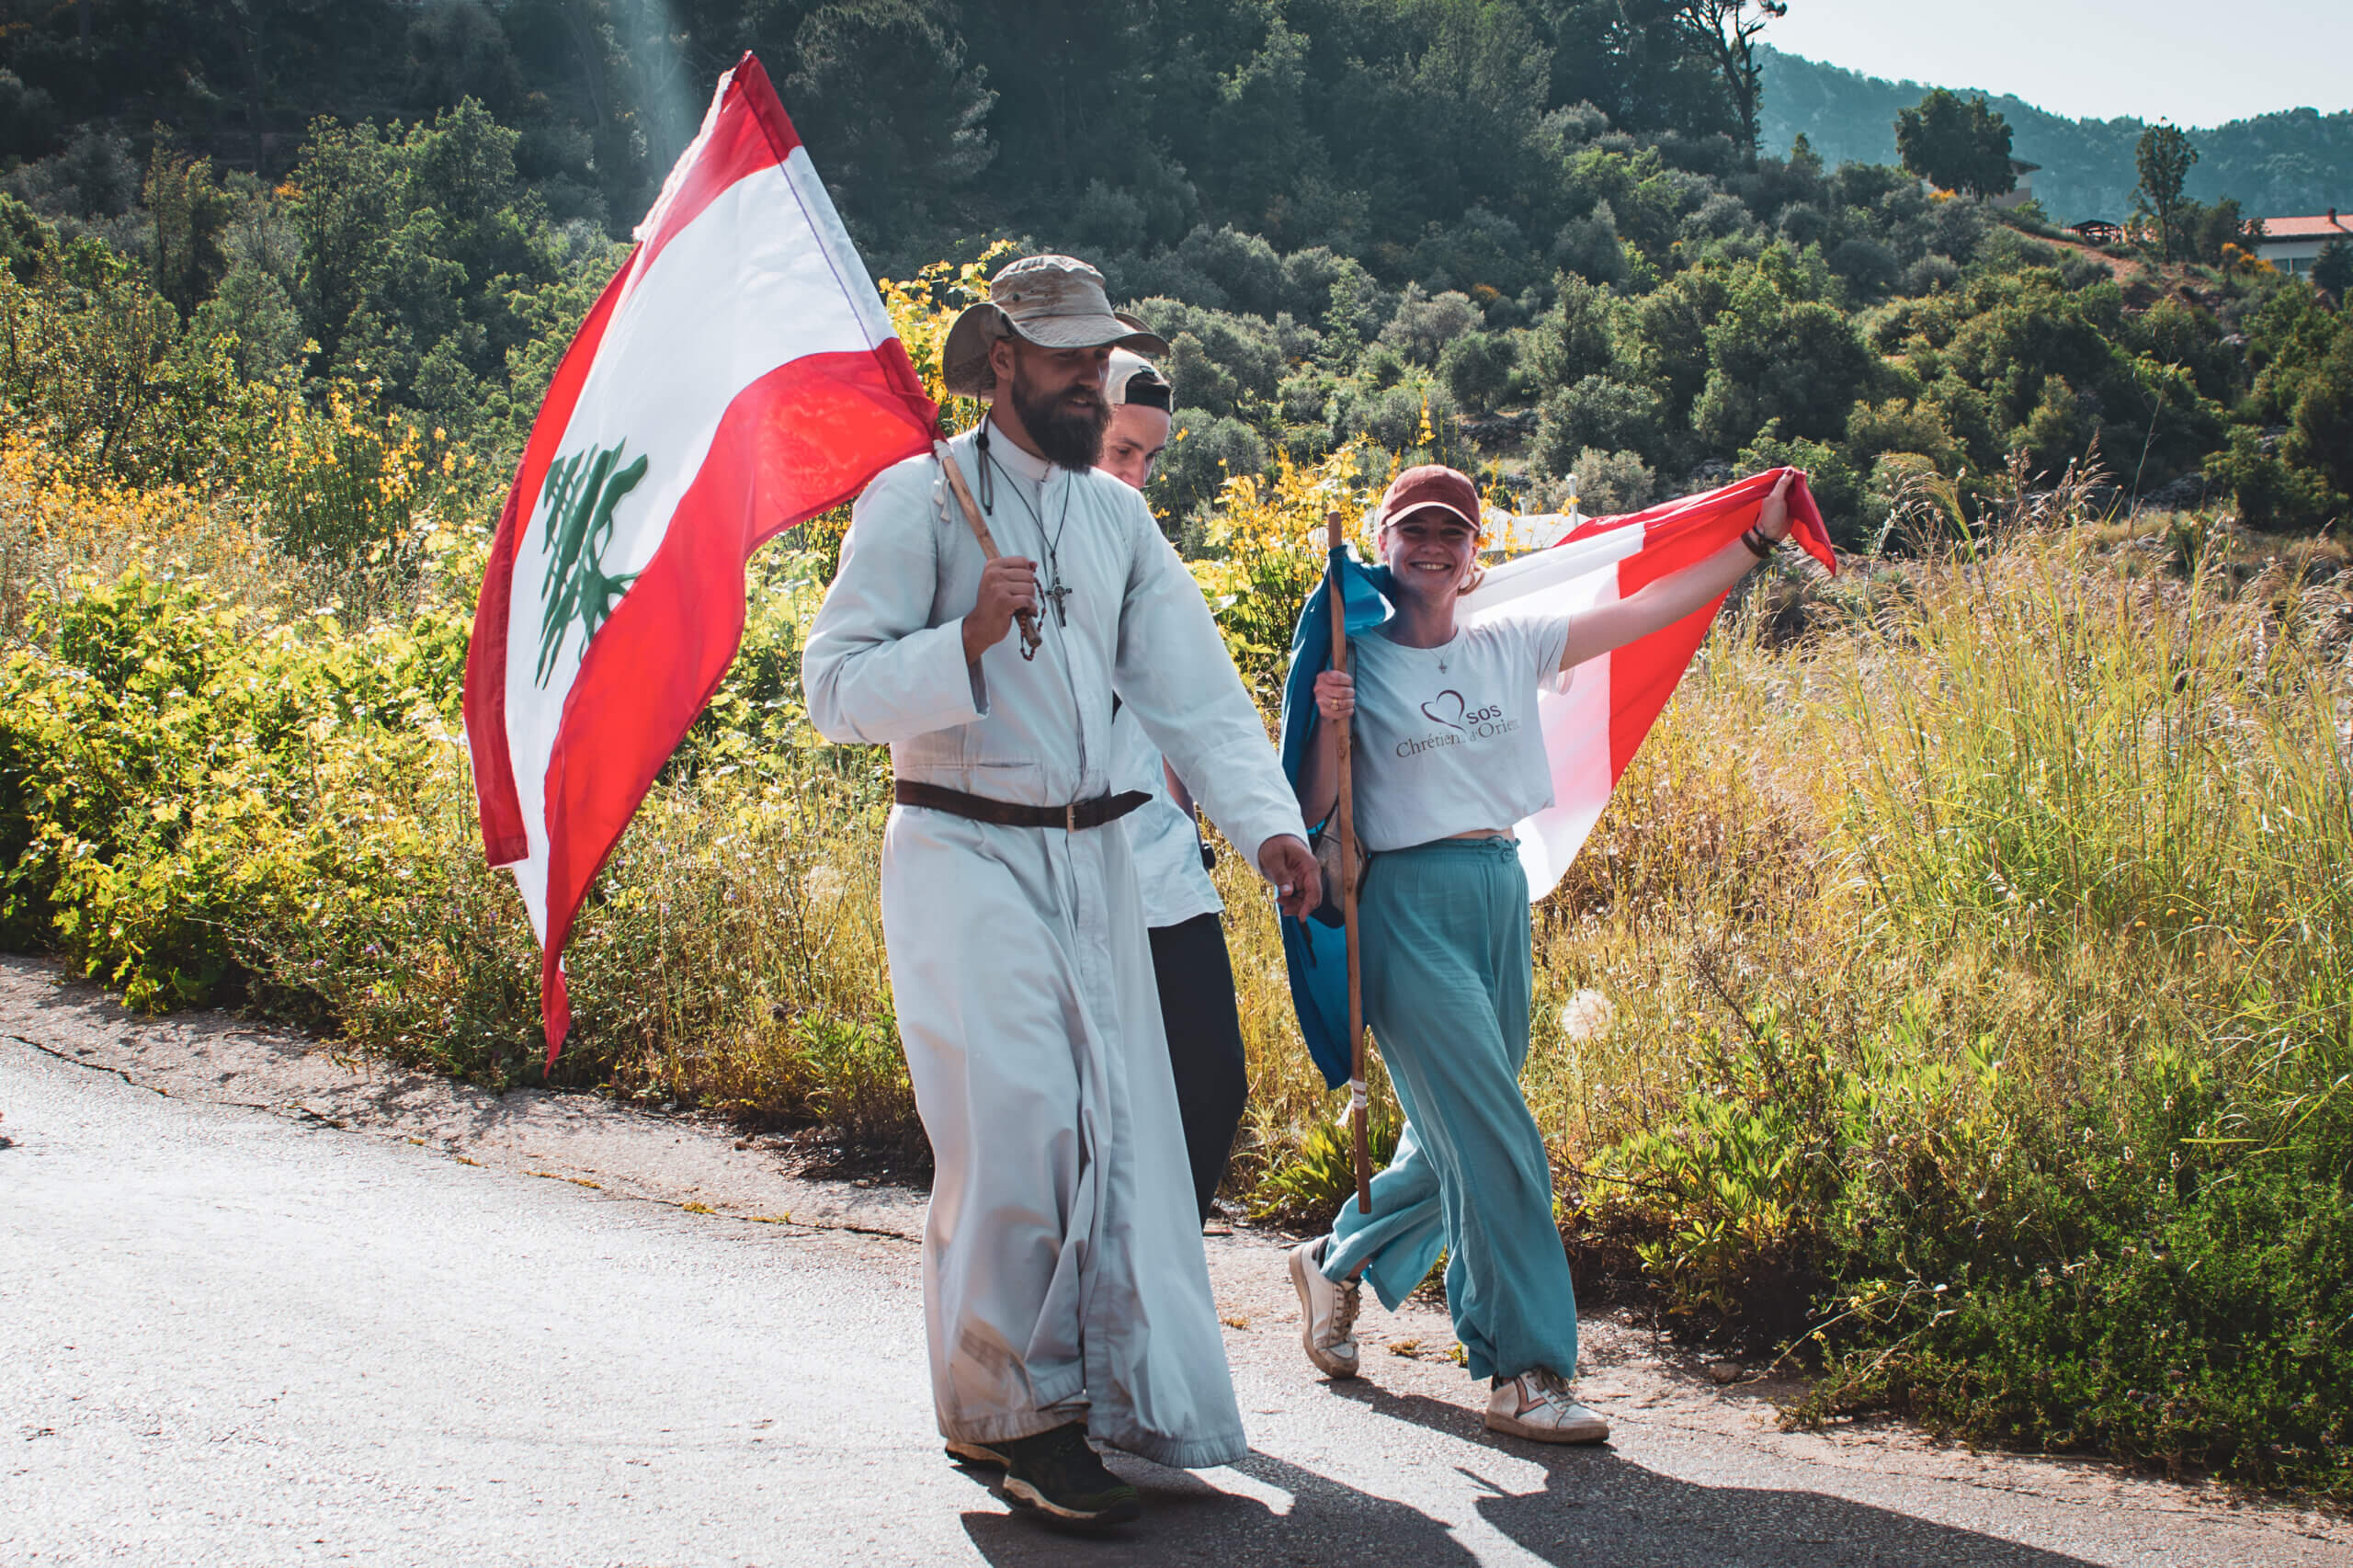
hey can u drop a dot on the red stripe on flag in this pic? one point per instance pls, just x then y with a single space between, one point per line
760 97
1644 672
505 838
805 436
503 834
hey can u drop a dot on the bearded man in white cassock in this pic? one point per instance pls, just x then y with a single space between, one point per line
1064 1285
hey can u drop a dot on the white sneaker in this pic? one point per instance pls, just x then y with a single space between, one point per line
1539 1404
1327 1312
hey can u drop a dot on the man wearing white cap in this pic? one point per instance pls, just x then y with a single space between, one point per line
1181 907
1064 1287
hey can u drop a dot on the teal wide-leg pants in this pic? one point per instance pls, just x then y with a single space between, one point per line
1446 994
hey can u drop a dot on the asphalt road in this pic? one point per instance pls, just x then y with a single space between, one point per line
230 1336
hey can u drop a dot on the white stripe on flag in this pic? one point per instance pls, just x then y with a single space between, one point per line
1567 580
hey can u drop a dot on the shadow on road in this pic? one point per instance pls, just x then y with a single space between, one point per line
1189 1520
1595 1508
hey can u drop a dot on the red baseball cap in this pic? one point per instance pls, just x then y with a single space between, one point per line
1430 485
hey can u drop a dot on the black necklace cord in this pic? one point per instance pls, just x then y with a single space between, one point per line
1052 546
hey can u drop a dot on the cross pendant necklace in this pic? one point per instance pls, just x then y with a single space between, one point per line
1056 590
1438 655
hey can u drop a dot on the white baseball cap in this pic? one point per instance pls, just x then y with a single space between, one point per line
1134 379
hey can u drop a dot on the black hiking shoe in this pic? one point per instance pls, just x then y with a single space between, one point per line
987 1454
1060 1475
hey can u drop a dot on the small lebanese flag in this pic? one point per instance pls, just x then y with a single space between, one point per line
1592 729
738 375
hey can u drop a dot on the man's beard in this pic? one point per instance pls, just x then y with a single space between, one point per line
1070 435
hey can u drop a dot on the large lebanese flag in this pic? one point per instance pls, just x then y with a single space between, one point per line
1592 729
737 377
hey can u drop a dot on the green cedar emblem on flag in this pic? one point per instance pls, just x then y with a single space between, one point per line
581 490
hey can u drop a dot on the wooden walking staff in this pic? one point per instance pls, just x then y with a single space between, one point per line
989 552
1335 600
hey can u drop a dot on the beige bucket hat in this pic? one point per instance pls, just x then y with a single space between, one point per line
1055 301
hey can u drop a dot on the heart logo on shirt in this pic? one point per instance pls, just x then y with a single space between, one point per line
1439 718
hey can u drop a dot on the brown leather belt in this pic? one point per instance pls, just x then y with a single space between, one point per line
1008 814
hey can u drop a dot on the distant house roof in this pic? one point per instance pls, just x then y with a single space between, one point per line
2325 226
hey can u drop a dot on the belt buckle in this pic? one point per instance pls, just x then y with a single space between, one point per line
1070 817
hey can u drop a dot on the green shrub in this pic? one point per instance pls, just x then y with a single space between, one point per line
173 762
1306 1187
202 802
2204 1332
1611 484
1597 412
95 361
1204 451
1477 368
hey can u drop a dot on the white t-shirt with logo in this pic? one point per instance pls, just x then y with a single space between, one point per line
1446 739
1166 845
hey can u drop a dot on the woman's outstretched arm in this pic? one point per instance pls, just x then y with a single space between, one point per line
1672 598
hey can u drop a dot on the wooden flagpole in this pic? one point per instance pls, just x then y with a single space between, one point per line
989 552
1337 601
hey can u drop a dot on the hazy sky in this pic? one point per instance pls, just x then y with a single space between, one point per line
2191 60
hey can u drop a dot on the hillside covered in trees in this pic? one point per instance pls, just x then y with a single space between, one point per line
1528 235
2290 161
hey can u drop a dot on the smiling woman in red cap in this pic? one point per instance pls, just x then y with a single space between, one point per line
1447 754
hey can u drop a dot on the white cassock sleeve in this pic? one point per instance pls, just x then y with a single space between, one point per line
1175 675
875 669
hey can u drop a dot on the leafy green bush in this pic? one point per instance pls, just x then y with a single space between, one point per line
343 485
168 760
202 801
1417 416
1477 368
1610 485
96 360
2269 491
1204 451
2204 1332
99 367
1596 413
1307 1185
